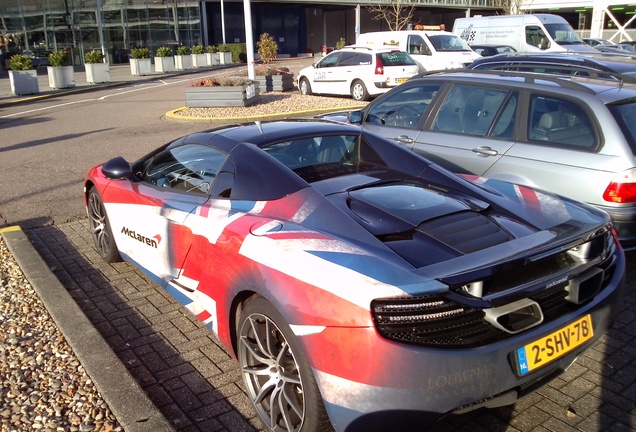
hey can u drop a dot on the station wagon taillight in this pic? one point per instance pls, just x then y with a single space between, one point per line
622 189
379 67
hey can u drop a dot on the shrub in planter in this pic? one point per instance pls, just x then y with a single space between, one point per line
60 75
96 70
20 62
164 61
163 51
223 91
183 59
58 58
94 56
341 43
274 79
140 53
140 63
212 56
267 48
198 56
225 54
183 50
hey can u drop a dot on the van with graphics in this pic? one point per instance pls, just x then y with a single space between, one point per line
539 32
431 49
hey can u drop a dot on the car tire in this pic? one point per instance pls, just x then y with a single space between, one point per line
304 86
276 372
100 228
359 91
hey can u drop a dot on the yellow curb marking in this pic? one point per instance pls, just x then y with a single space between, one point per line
173 114
10 229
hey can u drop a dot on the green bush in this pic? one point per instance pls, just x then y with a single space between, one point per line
20 62
164 51
267 48
238 50
140 53
212 49
58 58
224 48
94 56
341 43
183 50
198 49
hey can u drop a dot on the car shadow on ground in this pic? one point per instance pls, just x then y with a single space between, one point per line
197 385
174 358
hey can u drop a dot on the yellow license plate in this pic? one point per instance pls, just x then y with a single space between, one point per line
401 80
555 345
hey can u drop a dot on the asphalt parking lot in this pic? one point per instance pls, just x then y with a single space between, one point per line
196 385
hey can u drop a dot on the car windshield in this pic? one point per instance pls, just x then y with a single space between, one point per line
625 115
563 34
448 43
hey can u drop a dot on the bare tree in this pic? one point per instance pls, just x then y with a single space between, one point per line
396 14
509 7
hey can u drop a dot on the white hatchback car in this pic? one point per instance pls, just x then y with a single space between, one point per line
359 71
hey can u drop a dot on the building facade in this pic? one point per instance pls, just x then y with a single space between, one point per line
115 26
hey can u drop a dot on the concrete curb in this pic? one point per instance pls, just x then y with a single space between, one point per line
126 399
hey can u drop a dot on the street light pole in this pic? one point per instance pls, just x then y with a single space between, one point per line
249 40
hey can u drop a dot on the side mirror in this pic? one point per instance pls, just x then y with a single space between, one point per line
355 117
117 169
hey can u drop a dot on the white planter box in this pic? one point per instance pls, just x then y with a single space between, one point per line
61 76
212 59
199 60
97 72
140 67
24 82
225 58
164 64
183 62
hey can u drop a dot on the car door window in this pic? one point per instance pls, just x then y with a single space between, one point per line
330 61
355 59
404 107
472 110
189 168
561 122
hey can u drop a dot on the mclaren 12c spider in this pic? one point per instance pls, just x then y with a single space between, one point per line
358 285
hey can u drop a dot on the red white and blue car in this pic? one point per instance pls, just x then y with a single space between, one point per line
360 286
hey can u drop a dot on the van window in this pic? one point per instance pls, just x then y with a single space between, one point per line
415 45
560 121
535 36
563 34
445 42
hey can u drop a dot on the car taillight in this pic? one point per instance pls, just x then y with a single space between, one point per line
379 67
622 189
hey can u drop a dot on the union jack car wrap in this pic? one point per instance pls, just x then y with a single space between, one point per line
360 286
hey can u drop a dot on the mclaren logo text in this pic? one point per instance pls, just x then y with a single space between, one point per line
153 242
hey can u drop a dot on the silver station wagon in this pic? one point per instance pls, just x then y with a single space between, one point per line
572 136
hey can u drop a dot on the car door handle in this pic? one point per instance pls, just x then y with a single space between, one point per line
486 151
403 139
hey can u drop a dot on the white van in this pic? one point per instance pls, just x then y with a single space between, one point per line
539 32
431 49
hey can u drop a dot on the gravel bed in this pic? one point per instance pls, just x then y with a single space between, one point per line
43 386
275 104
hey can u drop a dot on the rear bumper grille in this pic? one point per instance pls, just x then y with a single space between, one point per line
445 321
